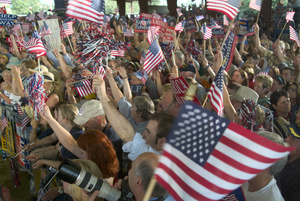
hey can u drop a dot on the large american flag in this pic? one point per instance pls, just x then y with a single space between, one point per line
35 45
153 33
289 16
84 87
89 10
68 29
228 7
154 57
207 33
180 26
215 93
255 4
206 156
5 1
294 35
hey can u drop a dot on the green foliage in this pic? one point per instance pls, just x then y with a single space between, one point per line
27 6
110 7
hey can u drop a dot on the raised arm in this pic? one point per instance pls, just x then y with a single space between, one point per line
65 138
17 87
242 47
120 124
126 85
62 64
117 94
258 45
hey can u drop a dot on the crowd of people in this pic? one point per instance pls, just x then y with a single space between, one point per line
121 128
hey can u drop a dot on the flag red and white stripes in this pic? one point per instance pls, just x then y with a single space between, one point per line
4 122
5 1
89 10
117 53
206 156
294 35
153 33
228 7
289 16
255 4
215 93
154 56
35 45
225 20
85 89
68 29
180 26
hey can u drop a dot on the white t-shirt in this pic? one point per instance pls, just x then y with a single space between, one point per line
270 192
138 146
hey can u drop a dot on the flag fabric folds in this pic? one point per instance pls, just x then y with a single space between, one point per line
255 4
294 35
4 122
289 16
215 93
35 45
207 33
46 30
68 29
153 33
89 10
180 26
154 57
228 7
84 87
117 53
5 1
206 156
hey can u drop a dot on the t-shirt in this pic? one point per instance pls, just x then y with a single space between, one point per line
270 192
138 146
66 154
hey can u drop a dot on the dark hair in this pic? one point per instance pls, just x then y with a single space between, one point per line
254 56
165 122
244 75
30 64
276 95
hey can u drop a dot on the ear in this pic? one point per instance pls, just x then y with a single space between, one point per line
98 119
274 106
139 182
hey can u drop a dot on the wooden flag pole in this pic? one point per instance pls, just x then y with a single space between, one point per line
282 30
173 58
227 33
257 17
69 40
39 65
78 26
204 44
150 188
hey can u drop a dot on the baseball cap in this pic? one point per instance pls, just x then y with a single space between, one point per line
294 130
89 109
187 67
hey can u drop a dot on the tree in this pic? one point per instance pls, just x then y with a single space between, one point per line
27 6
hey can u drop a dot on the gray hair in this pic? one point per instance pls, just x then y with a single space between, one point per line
180 56
278 165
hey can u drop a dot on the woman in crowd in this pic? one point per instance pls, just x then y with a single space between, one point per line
240 77
281 104
6 87
294 91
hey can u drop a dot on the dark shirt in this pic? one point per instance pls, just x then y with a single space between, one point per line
66 154
290 181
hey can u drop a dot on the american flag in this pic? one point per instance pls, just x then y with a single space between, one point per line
35 45
41 14
179 11
215 93
143 21
289 16
4 122
207 33
143 56
3 10
228 7
25 121
5 1
294 35
127 32
255 4
206 156
117 53
30 17
263 72
68 29
154 57
214 24
180 26
84 87
16 27
89 10
153 33
19 109
46 30
225 20
200 17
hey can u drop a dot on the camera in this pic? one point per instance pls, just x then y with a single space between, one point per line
73 174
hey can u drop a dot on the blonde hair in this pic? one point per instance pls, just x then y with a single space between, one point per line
89 166
69 112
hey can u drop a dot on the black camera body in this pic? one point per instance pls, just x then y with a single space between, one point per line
72 173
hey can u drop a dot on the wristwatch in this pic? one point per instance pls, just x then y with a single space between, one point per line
60 190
